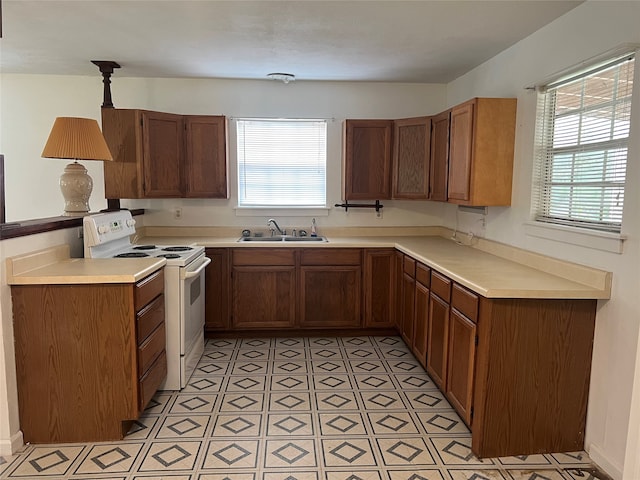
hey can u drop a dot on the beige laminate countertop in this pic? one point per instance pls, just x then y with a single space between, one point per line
486 274
84 271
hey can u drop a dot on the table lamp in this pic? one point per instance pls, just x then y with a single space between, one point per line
76 139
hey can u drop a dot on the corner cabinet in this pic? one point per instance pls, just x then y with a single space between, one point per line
481 144
164 155
89 357
367 157
439 164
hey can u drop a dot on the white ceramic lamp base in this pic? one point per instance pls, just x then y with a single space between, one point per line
76 186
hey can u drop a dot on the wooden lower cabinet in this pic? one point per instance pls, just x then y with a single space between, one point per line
408 308
461 356
89 357
438 335
379 286
421 323
217 279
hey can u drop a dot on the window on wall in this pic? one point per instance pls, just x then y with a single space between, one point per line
582 136
281 162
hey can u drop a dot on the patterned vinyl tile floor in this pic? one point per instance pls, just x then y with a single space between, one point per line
295 409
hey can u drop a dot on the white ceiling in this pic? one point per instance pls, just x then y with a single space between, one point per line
393 41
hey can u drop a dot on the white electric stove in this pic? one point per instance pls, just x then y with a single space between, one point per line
108 235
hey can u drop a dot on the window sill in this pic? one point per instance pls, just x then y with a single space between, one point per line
282 211
605 241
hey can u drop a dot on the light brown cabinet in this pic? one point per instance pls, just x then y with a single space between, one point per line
89 357
481 143
411 158
217 279
367 157
421 316
438 335
439 163
163 155
379 277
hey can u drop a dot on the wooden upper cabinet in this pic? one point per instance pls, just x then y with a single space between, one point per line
367 159
411 157
162 155
439 157
206 157
482 135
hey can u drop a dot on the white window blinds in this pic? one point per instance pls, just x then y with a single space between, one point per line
582 135
282 163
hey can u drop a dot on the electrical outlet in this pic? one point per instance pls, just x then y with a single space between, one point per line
379 214
177 212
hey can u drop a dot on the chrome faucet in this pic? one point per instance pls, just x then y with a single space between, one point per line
275 224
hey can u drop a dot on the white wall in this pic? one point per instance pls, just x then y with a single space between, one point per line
588 31
32 102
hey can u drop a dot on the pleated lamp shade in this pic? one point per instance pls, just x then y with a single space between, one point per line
76 139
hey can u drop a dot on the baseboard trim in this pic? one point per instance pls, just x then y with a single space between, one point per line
10 446
603 463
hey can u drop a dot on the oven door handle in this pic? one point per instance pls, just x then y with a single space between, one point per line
206 261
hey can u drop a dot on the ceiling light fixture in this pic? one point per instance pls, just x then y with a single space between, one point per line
283 77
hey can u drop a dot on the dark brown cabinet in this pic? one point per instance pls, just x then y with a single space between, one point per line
264 288
367 159
217 278
379 278
421 315
439 157
163 155
438 334
330 288
481 143
408 299
411 158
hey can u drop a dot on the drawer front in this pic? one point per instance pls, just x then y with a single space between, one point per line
149 288
150 349
149 318
151 381
465 301
409 266
441 286
331 256
423 274
264 256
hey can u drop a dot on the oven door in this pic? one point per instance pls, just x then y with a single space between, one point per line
192 297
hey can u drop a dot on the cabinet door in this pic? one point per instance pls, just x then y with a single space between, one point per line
330 296
408 308
367 158
460 151
411 156
398 281
461 363
263 296
379 287
421 323
206 157
216 283
163 144
439 157
437 340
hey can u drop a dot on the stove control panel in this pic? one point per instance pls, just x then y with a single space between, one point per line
107 227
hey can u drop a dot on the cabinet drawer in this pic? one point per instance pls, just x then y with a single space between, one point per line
423 274
150 349
331 256
465 302
152 380
264 256
149 288
149 318
409 266
441 286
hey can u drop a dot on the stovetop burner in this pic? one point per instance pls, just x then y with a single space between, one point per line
177 249
131 255
168 255
145 247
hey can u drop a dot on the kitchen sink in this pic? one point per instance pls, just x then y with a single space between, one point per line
283 238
